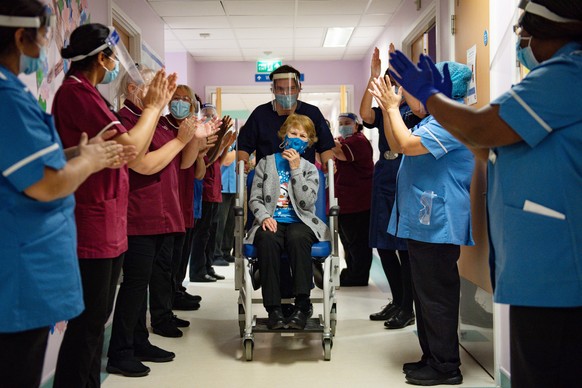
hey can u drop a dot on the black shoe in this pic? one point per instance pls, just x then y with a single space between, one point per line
185 295
298 320
184 304
229 258
216 276
386 313
400 320
427 375
154 354
219 261
180 322
287 309
410 366
131 367
276 319
203 279
168 329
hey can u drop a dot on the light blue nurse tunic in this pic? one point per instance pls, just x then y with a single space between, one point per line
443 175
39 275
535 188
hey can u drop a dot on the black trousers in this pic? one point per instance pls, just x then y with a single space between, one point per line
184 260
296 240
22 357
436 289
79 360
397 271
353 232
147 261
203 242
545 346
225 226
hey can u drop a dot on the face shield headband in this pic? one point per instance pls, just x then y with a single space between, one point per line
114 43
46 20
349 116
541 11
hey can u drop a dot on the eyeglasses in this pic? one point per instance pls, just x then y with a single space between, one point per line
182 98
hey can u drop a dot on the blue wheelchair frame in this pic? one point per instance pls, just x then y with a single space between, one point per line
325 253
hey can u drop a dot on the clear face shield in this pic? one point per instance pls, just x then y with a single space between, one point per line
207 112
347 124
286 88
120 53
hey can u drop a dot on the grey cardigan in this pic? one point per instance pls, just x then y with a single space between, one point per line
302 193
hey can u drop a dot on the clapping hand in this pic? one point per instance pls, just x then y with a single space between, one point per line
419 82
384 93
128 152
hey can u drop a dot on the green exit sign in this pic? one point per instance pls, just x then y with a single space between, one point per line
267 66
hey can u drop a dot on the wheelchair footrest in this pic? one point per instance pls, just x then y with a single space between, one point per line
313 326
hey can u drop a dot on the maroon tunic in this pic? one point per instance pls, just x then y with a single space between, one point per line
154 200
353 180
101 201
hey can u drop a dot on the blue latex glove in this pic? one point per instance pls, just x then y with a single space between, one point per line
418 82
443 83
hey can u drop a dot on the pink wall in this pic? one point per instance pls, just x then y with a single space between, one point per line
316 73
152 26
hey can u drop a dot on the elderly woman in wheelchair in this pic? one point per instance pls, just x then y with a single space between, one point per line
282 201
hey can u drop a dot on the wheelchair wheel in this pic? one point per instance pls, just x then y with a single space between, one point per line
327 344
333 319
248 346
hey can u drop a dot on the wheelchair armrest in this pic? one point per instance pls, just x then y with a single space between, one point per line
334 211
238 211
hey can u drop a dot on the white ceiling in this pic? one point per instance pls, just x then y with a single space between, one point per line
248 30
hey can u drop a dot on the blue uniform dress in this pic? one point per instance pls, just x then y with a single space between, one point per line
384 184
260 131
39 272
443 175
535 188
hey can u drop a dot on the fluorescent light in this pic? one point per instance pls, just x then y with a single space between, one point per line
337 36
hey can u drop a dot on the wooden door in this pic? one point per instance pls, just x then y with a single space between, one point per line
471 24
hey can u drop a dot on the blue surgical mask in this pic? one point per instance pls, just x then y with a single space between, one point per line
29 65
110 75
346 131
295 143
524 54
180 109
286 100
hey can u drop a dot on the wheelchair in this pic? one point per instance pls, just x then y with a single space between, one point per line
326 266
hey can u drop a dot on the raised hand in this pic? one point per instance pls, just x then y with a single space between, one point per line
444 84
376 65
418 82
128 152
293 157
157 92
102 155
384 93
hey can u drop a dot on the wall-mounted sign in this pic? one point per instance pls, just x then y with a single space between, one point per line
267 66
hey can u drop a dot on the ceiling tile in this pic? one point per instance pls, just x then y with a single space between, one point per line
261 21
265 43
307 42
319 50
219 58
361 42
312 57
329 7
211 45
197 22
313 32
271 33
173 46
367 32
383 6
374 20
187 8
276 53
331 21
194 33
356 50
263 8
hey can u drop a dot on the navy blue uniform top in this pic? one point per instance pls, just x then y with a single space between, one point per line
260 131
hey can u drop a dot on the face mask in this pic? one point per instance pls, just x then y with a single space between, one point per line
286 101
346 131
29 65
180 109
110 75
524 54
295 143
